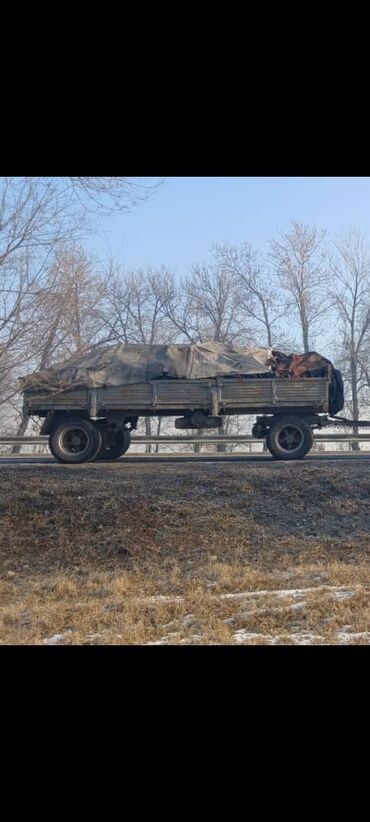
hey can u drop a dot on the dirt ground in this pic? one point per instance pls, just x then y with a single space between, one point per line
205 553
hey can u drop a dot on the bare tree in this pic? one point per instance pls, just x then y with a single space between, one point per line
214 294
207 306
18 285
136 302
64 316
37 212
299 261
136 311
262 304
351 294
32 222
69 313
38 215
106 195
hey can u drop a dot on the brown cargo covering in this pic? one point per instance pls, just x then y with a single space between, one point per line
127 364
300 365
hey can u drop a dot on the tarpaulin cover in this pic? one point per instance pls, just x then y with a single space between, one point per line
122 364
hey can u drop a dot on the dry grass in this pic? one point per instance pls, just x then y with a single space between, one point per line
185 554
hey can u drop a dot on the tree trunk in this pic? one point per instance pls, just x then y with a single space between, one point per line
355 403
305 339
22 428
148 433
221 446
197 445
159 423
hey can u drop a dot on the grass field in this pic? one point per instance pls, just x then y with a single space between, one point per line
185 554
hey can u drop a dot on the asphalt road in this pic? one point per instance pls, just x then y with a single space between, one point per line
22 459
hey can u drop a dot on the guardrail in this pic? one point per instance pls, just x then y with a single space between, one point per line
169 440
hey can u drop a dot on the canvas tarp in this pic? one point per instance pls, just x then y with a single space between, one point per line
122 364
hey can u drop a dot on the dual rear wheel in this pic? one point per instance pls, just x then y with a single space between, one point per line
80 440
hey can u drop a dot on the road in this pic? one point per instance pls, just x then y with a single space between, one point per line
136 459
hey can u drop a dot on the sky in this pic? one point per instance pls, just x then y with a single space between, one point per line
187 215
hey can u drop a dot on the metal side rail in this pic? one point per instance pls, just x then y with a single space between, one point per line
170 439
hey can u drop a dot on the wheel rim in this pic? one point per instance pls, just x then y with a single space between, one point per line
290 438
73 440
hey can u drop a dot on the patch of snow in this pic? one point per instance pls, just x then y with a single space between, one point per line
342 594
164 640
264 612
56 639
192 638
283 592
346 637
307 639
243 637
158 642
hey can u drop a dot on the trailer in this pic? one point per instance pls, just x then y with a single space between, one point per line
86 424
92 402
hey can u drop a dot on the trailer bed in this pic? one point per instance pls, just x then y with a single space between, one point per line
170 397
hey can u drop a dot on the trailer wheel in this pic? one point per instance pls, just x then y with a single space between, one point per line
289 438
75 441
119 446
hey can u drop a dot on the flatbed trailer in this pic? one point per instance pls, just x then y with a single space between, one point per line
86 424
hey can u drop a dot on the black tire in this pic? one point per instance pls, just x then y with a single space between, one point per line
120 445
75 441
336 393
289 438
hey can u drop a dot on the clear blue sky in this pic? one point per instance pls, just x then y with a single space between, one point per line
187 215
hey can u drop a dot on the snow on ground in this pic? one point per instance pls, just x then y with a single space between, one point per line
345 638
243 636
338 592
285 592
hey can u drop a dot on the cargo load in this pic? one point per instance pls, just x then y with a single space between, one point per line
121 364
118 365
